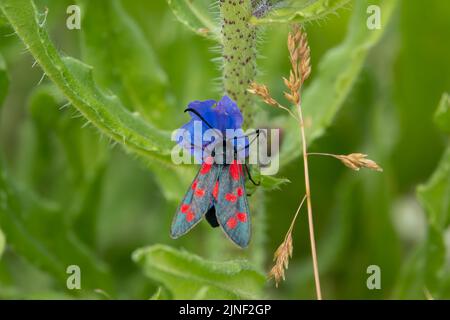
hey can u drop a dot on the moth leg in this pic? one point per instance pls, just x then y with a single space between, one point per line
250 176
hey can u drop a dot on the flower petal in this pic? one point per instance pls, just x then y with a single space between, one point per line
226 115
229 114
205 109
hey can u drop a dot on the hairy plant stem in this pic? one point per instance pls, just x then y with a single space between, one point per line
238 52
308 203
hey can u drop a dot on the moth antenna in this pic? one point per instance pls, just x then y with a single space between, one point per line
200 116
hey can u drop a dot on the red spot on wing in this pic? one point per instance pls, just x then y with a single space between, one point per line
215 192
190 216
206 167
184 208
200 192
235 170
239 192
241 216
232 223
230 197
194 185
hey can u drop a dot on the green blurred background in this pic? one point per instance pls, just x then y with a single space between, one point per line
69 195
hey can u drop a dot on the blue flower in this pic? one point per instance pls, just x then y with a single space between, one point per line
210 114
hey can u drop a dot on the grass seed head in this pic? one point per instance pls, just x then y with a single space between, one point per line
299 56
357 161
281 258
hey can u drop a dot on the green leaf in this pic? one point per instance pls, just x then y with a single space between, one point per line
3 20
188 276
295 11
79 191
20 239
37 230
435 194
442 115
271 182
428 270
195 16
50 119
435 197
337 72
88 206
267 183
43 105
3 80
2 243
103 294
158 294
75 80
130 71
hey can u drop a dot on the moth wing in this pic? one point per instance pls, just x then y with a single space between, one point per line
197 201
232 208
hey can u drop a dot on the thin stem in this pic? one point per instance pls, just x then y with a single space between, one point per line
321 154
295 217
289 111
309 205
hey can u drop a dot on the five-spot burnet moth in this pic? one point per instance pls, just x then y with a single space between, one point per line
218 190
